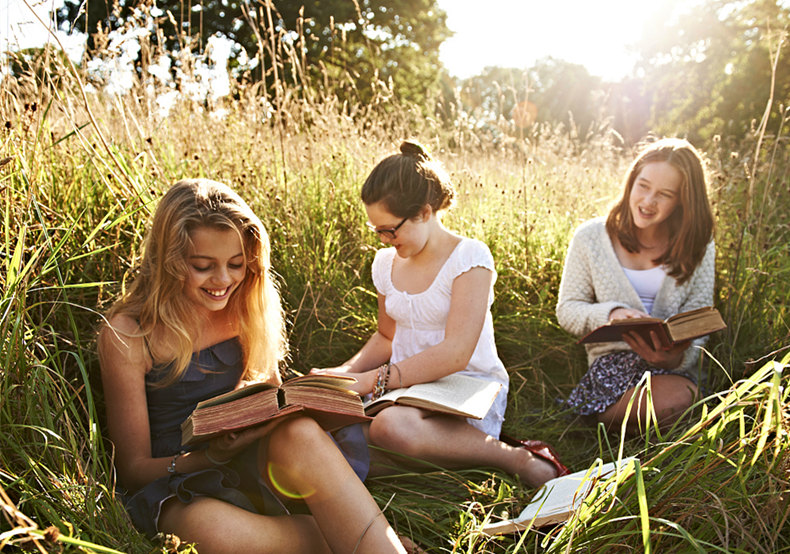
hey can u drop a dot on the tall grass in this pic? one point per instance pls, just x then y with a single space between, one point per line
78 181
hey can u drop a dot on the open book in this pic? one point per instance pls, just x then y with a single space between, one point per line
454 394
325 398
678 328
557 500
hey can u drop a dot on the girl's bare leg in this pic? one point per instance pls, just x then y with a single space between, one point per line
670 395
219 527
451 442
303 461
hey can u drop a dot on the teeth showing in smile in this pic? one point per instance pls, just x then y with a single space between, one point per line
216 292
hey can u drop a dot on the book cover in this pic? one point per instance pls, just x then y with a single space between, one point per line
678 328
325 398
453 394
557 500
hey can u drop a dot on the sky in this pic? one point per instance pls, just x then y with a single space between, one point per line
507 33
516 33
19 27
18 24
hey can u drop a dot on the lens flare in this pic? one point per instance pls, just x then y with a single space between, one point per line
285 482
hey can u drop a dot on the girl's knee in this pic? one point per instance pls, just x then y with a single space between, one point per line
295 439
677 396
395 429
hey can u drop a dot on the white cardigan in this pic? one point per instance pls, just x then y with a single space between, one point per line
594 283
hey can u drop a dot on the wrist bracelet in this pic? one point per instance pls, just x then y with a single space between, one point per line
213 461
171 469
400 377
381 381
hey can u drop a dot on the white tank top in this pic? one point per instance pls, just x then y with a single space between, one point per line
646 283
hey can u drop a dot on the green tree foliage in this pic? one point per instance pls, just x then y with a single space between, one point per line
494 92
565 92
560 92
708 71
347 46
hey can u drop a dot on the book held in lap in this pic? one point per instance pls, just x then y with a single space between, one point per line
324 398
678 328
454 394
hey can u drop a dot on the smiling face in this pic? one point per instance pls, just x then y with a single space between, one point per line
655 195
216 267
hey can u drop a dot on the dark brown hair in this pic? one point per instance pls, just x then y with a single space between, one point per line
690 225
406 182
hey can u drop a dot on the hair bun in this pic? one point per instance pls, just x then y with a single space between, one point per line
414 149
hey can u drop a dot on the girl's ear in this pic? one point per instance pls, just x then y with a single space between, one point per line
425 212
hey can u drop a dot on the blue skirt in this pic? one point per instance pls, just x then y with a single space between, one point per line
238 483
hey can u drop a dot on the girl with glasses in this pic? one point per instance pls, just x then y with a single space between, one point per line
653 255
202 315
435 290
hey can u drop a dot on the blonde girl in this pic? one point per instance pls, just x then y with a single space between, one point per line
203 316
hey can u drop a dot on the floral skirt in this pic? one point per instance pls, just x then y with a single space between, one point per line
608 378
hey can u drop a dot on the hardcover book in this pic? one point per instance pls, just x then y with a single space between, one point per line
325 398
678 328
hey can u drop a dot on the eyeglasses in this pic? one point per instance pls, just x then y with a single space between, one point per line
387 233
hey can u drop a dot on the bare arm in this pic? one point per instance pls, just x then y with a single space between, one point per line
468 309
377 349
124 362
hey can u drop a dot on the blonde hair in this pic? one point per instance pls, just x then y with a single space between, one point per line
690 224
156 298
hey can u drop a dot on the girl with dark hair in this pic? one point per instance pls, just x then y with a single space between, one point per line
202 316
652 256
435 290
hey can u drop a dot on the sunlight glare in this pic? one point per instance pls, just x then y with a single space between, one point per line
517 33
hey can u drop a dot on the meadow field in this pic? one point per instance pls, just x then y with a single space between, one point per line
81 172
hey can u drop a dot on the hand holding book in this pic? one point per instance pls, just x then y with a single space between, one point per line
677 329
360 384
223 447
626 313
655 351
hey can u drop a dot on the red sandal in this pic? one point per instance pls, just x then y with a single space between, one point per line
541 449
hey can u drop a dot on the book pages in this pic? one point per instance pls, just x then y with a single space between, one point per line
457 394
560 497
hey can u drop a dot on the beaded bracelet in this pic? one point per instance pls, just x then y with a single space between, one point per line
381 381
172 467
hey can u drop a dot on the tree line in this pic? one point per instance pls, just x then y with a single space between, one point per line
703 70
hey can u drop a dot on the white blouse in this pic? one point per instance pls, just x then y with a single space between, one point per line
421 318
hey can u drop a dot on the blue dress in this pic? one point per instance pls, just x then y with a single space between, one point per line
212 371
